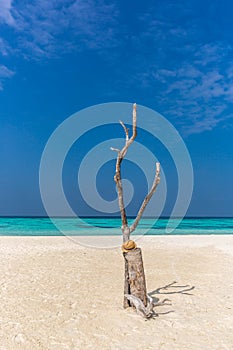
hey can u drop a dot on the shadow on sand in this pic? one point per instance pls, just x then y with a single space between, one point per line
171 288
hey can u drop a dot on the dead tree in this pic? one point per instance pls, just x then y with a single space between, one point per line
135 293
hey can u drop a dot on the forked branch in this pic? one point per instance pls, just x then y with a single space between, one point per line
117 178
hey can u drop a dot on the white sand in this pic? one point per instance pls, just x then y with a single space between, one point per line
58 295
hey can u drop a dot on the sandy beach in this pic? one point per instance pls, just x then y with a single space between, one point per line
56 294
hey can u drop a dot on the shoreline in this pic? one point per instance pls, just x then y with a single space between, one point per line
221 242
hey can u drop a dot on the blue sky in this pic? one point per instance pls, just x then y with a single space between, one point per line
58 57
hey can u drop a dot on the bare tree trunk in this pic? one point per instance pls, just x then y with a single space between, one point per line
135 283
127 284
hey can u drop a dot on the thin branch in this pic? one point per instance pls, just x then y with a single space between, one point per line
115 149
121 154
147 198
117 177
132 138
125 129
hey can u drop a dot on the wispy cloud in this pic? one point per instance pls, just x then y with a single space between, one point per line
5 73
4 47
167 50
199 91
50 28
5 12
190 75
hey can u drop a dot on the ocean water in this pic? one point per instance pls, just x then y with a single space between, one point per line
12 226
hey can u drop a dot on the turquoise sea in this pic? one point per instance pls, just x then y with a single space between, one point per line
13 226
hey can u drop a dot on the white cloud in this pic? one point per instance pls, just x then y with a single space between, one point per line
196 90
49 28
191 78
201 104
210 53
5 73
5 12
4 47
42 29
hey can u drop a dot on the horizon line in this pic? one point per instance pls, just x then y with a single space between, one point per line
110 217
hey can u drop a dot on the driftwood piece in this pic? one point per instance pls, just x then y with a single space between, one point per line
135 282
145 311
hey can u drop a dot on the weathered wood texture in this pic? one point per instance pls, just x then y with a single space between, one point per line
135 285
135 282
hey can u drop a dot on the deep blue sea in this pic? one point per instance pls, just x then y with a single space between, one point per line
12 226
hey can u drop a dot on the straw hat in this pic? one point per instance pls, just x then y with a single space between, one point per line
129 245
